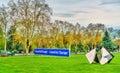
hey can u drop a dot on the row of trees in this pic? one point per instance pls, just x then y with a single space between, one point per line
25 25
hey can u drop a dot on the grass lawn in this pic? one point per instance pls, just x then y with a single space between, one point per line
50 64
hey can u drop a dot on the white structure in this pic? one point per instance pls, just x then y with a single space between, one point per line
91 56
106 56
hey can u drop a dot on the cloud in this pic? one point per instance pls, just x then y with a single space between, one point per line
108 2
65 1
65 14
85 11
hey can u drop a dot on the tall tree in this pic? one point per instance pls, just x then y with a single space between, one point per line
107 42
32 16
1 38
10 39
4 22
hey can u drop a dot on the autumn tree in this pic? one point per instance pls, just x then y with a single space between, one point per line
117 42
94 32
32 16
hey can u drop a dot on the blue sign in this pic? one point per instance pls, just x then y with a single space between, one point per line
53 52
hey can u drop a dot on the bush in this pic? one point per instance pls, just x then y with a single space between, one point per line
6 53
3 53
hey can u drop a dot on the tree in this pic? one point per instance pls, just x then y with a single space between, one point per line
117 42
32 16
4 22
107 42
118 33
10 40
1 38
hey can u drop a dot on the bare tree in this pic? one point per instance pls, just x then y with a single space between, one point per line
32 16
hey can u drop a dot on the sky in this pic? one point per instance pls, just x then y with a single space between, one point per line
85 11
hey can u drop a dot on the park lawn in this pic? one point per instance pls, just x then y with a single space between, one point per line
50 64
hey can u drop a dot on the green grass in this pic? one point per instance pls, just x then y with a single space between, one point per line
50 64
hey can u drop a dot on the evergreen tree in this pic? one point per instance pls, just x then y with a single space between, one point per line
107 42
11 44
10 39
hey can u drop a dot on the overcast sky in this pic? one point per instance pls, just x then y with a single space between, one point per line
85 11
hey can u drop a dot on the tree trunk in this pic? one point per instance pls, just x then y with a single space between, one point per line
27 47
76 51
119 48
70 46
27 50
5 43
